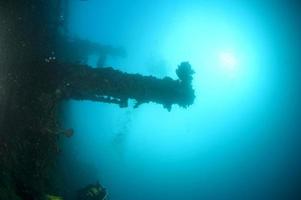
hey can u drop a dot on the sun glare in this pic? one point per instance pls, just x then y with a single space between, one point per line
228 62
228 59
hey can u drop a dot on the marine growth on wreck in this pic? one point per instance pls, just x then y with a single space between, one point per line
144 100
40 67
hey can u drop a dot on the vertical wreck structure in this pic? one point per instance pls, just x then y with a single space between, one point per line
32 83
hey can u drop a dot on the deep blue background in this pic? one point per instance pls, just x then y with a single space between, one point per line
239 140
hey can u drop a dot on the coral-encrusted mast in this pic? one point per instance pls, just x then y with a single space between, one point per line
81 82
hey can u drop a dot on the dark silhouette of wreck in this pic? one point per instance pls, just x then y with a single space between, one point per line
32 83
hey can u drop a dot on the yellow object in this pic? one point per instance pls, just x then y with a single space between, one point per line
53 197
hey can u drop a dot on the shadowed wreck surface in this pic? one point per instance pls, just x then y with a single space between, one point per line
113 86
31 90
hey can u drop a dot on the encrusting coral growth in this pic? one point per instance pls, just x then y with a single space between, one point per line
32 85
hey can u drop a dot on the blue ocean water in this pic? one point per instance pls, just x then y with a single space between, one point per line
239 140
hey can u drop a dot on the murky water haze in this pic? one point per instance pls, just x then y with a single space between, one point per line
239 140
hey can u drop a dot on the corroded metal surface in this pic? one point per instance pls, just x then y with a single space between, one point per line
113 86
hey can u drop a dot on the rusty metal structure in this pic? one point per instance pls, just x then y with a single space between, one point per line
32 86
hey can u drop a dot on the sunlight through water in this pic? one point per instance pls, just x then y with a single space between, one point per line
206 142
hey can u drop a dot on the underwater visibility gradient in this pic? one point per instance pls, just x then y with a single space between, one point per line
239 140
150 100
